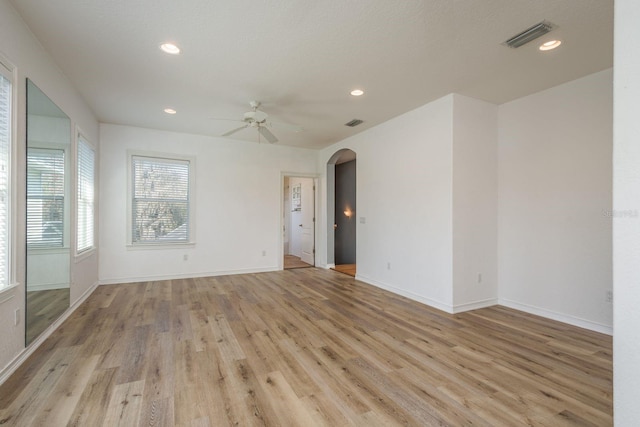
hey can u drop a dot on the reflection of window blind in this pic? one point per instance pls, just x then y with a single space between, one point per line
45 198
5 143
160 205
86 178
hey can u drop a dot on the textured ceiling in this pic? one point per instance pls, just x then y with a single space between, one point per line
301 58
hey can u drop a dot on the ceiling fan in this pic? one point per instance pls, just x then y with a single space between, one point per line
259 120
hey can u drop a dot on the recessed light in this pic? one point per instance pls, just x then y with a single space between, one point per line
170 111
170 48
552 44
357 92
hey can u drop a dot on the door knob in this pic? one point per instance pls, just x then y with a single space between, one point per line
300 225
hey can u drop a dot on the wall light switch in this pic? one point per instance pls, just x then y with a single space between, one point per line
363 220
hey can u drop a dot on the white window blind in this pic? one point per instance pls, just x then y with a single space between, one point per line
86 186
5 144
160 205
45 198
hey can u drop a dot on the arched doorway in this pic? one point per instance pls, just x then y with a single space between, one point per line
341 211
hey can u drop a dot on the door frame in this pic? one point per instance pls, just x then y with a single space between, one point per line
315 178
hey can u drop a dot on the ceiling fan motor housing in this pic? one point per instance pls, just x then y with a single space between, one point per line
255 116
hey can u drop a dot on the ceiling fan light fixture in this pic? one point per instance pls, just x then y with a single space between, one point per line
530 34
170 48
357 92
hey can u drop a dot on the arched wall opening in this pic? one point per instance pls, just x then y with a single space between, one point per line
341 209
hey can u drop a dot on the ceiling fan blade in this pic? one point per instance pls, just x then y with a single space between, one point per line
226 120
231 132
287 126
267 134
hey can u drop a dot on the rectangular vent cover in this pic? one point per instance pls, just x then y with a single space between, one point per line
529 34
354 123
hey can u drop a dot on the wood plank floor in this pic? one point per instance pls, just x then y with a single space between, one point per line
349 269
292 261
304 347
43 308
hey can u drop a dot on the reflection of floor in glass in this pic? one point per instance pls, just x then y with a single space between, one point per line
292 261
43 308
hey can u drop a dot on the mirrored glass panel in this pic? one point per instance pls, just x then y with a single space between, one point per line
48 212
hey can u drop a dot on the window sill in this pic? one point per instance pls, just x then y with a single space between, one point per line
42 251
156 246
81 256
7 289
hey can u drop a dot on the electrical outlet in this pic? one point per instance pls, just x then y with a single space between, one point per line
388 266
185 257
264 253
479 277
609 296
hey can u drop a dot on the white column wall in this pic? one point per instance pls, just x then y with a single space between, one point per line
626 228
475 203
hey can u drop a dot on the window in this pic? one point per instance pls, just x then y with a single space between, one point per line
160 203
5 158
45 198
86 185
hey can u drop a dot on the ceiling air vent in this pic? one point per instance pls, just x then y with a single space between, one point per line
529 34
353 123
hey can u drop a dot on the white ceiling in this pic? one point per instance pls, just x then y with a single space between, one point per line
301 58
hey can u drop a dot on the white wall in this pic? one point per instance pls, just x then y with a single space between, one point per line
554 202
626 237
404 193
19 46
238 205
475 203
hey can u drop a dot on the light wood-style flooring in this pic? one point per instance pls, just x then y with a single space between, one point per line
304 347
292 261
349 269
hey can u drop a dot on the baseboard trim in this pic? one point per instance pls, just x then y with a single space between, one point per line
48 287
560 317
475 305
419 298
21 357
185 276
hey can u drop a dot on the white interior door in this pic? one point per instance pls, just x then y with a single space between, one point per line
295 234
307 220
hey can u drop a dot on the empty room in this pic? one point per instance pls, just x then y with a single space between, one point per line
296 213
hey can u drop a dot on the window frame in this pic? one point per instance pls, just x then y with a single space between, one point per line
66 202
9 71
131 154
82 139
